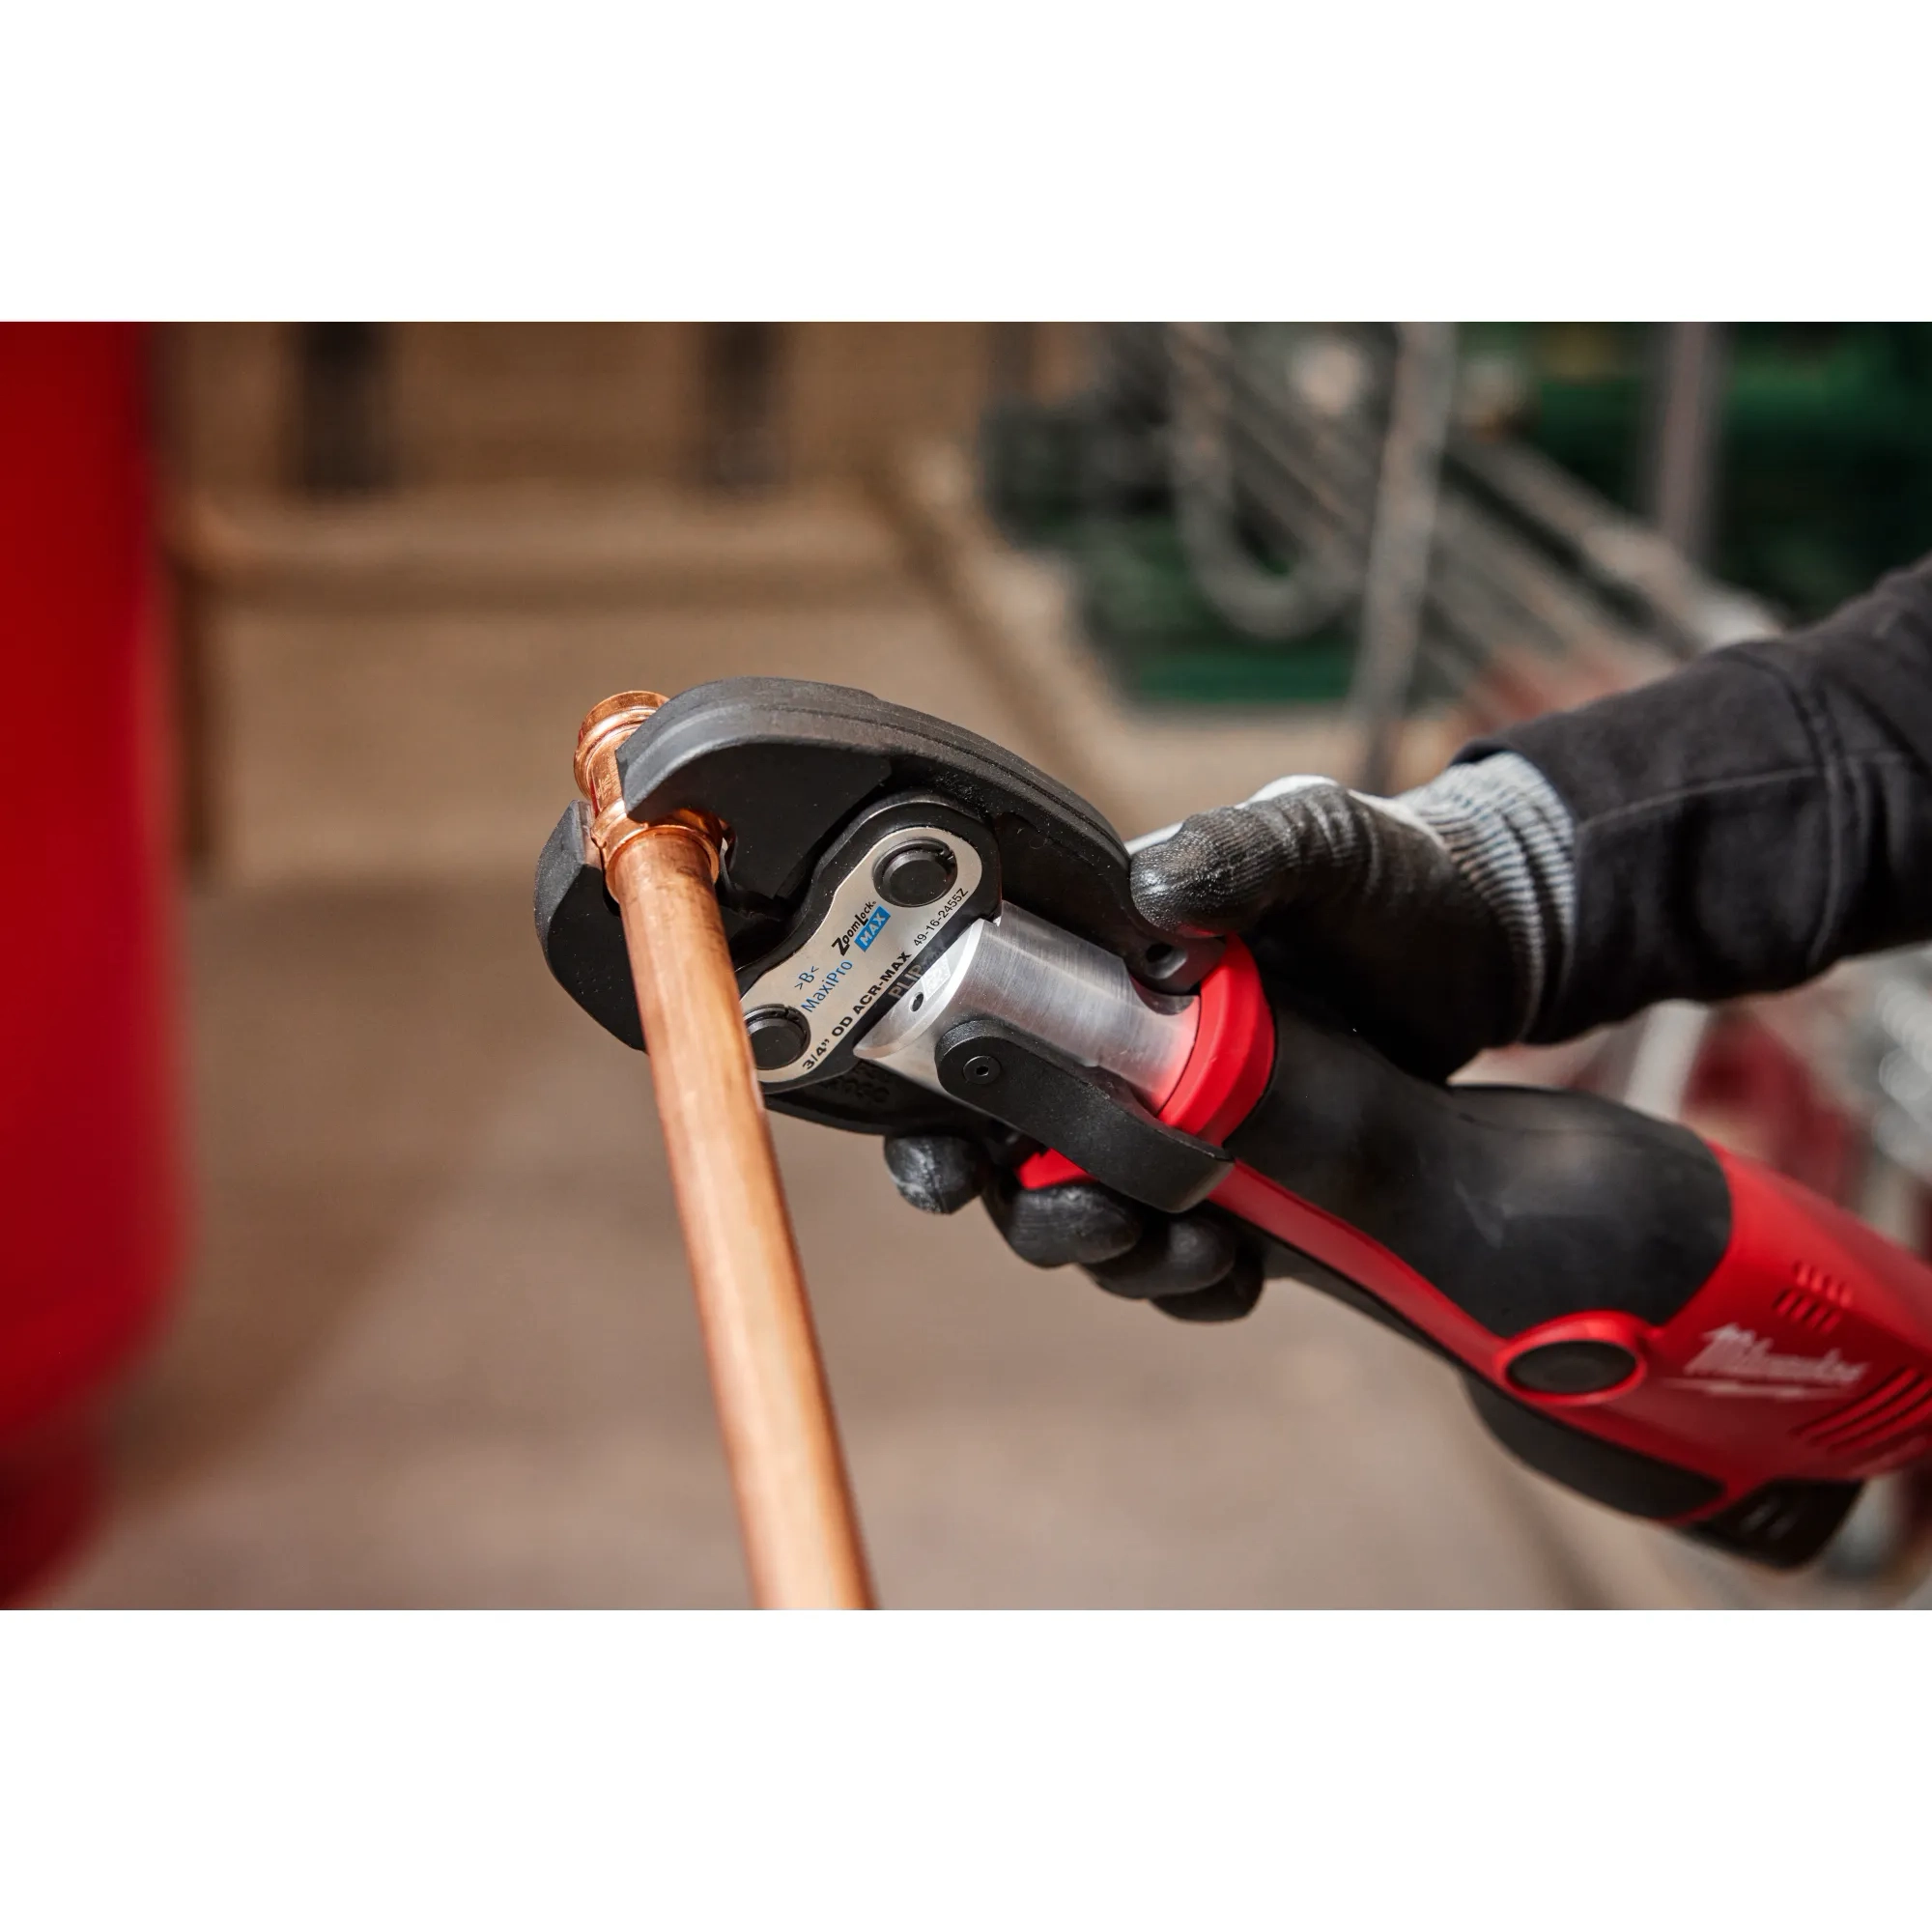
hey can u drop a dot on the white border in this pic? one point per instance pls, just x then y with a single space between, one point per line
969 1770
413 160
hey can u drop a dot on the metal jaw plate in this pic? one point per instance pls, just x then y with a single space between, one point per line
859 948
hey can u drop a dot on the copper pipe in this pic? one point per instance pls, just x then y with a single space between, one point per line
795 1510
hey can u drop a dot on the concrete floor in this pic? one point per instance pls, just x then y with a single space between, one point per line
437 1346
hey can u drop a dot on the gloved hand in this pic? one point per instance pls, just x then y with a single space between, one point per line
1433 924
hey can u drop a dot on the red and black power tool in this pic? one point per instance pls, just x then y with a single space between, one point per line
931 936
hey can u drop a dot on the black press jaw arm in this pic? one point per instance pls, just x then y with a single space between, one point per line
796 771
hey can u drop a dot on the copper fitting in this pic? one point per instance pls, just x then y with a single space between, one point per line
613 830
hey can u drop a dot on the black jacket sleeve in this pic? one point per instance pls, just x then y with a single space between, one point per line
1749 820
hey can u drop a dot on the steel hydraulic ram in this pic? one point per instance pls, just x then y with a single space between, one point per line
931 936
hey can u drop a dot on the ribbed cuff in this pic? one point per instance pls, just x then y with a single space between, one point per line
1511 838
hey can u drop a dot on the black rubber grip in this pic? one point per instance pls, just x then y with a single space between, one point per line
1606 1473
1518 1204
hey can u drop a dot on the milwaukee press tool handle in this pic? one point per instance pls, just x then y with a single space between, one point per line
1668 1327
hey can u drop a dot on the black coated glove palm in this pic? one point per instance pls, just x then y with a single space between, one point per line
1431 924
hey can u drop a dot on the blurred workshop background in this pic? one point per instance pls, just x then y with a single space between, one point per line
343 1268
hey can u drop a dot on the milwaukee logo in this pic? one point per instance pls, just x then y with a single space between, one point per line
1738 1355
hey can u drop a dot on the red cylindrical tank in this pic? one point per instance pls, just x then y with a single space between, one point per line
89 1194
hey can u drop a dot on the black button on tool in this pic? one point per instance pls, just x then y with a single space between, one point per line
916 873
1572 1368
778 1036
